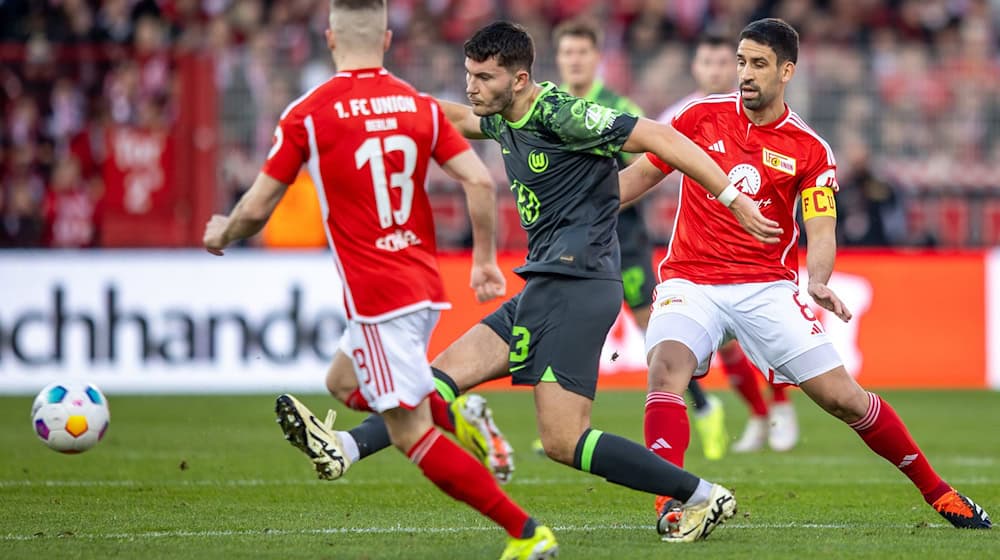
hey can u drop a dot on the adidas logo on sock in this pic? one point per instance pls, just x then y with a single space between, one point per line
907 461
660 443
718 147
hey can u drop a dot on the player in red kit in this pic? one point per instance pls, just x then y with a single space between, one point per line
712 69
717 283
366 138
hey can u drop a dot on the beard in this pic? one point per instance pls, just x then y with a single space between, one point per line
499 104
756 103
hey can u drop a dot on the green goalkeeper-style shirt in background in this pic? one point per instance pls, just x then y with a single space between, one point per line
631 227
560 161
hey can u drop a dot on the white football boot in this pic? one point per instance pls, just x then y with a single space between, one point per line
754 436
783 432
696 521
316 439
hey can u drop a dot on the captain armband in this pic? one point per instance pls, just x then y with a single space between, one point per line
818 201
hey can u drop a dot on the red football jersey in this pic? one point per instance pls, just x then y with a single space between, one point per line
366 138
772 164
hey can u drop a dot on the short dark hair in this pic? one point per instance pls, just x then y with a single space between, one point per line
777 34
508 42
712 40
585 28
357 4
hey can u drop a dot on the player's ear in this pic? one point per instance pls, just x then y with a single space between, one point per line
522 79
387 40
787 71
331 41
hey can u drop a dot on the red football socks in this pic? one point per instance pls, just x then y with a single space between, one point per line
743 377
463 478
884 432
441 413
779 394
666 426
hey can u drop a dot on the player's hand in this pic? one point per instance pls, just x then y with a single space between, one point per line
215 234
750 217
487 281
825 298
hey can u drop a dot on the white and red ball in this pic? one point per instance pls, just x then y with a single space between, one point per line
70 417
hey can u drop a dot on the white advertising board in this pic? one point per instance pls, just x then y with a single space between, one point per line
168 321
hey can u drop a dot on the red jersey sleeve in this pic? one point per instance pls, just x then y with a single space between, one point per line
289 151
822 171
659 163
449 142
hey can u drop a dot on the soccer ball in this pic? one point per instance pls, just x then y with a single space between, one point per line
70 417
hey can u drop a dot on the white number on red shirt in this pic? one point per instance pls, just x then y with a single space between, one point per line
371 152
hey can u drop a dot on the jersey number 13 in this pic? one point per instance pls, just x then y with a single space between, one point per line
371 153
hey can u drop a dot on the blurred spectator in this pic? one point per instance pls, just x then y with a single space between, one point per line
869 209
21 220
917 81
139 164
114 22
70 208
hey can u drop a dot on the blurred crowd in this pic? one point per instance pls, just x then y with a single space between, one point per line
906 91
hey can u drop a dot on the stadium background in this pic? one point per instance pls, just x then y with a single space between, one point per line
906 91
126 123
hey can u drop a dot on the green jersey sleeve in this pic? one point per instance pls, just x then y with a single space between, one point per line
491 125
584 126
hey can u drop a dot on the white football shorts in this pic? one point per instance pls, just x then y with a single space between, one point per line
390 359
777 330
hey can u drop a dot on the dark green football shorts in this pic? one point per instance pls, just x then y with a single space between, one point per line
555 328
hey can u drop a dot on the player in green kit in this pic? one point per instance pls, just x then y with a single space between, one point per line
578 57
559 153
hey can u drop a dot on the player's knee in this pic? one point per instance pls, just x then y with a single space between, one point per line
559 440
341 381
838 394
558 449
405 428
671 366
848 407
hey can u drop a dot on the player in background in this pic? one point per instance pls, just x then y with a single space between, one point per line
712 67
578 57
559 153
367 139
717 285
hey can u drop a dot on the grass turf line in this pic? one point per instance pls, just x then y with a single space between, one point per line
245 492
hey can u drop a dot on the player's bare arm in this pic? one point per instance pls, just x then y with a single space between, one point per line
480 195
248 216
637 180
462 118
822 253
682 154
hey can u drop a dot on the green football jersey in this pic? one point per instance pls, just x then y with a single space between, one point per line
560 161
632 234
604 96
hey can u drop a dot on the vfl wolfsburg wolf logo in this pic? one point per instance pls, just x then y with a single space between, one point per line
538 161
527 203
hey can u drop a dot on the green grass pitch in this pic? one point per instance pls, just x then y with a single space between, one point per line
211 477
